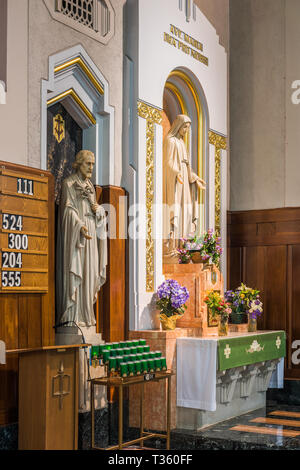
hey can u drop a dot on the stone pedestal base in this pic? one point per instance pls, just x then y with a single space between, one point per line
198 279
156 393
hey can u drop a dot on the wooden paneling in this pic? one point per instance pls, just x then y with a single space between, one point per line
264 252
112 321
26 319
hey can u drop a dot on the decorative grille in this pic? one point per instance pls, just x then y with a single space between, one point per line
82 11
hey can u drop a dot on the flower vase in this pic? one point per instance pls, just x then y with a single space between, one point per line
223 327
252 325
197 258
168 323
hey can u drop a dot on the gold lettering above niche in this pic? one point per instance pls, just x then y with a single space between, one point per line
183 41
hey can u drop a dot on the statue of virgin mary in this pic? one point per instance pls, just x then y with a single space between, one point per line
180 188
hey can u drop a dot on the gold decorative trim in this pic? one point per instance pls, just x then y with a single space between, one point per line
76 98
219 142
153 116
85 69
58 128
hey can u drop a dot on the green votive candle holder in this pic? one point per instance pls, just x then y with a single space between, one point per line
106 355
142 342
157 364
126 358
126 351
119 351
102 347
129 344
152 355
113 352
123 344
119 359
112 364
133 350
115 345
163 363
140 349
108 346
147 348
146 355
144 366
131 368
139 357
138 367
132 357
135 342
151 365
123 369
158 353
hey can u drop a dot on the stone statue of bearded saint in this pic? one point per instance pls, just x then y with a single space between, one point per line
180 189
81 245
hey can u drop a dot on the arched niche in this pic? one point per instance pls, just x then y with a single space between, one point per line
183 94
77 83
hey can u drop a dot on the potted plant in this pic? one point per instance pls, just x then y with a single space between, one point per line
204 249
240 301
219 308
171 301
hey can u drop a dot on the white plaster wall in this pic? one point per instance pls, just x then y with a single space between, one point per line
13 114
292 156
263 175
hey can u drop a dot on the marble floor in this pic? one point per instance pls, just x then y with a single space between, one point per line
274 427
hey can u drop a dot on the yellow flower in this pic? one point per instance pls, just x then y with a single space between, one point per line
242 296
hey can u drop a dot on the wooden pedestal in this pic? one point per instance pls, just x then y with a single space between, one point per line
198 279
48 398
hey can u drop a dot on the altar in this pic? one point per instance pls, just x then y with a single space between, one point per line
228 376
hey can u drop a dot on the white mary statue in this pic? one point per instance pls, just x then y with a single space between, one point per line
81 245
180 188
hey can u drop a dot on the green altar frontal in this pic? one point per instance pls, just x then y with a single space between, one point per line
250 349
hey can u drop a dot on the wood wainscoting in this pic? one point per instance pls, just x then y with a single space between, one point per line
264 252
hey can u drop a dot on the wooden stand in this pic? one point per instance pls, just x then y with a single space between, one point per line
48 397
140 381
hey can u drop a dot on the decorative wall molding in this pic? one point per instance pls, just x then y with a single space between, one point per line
76 81
153 116
220 143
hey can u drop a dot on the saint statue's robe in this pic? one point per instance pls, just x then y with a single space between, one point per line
81 263
180 200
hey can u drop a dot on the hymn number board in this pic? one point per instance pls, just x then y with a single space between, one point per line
23 231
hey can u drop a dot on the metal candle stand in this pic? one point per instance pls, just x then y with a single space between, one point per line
120 383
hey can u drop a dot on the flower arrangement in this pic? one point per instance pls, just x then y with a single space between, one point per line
245 300
208 245
184 256
217 305
172 298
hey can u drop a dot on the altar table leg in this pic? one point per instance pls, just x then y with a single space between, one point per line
169 413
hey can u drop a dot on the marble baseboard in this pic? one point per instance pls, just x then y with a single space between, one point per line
289 395
9 437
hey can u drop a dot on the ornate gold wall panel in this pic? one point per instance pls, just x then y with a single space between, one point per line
153 116
219 141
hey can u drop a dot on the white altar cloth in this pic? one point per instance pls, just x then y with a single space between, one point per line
197 364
